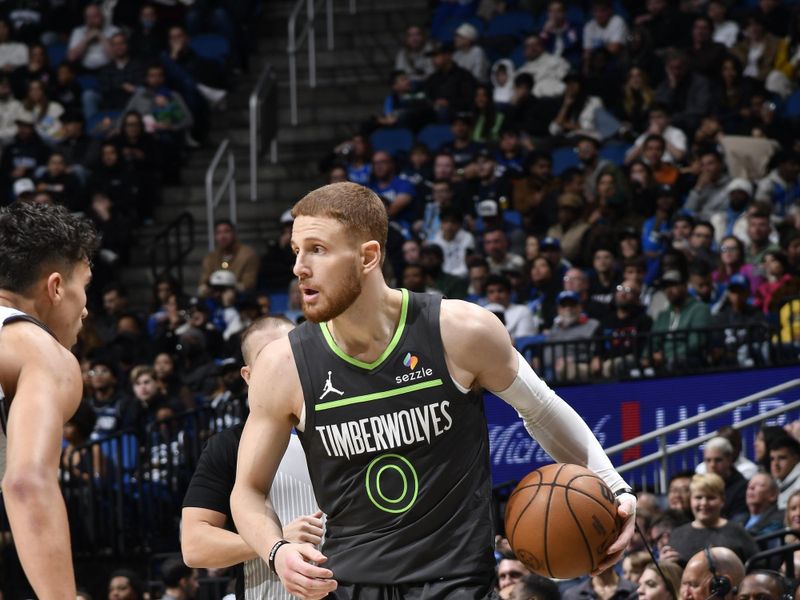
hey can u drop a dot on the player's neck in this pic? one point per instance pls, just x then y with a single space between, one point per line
365 329
26 305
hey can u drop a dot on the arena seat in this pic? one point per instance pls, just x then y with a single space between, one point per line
212 47
615 153
392 140
564 158
435 136
791 106
56 53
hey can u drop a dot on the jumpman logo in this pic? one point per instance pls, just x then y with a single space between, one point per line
329 388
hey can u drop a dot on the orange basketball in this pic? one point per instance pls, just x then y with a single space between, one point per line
560 520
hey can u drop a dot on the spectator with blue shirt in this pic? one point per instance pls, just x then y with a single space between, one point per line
656 229
781 186
399 194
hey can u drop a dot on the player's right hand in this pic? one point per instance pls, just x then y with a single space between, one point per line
299 576
307 528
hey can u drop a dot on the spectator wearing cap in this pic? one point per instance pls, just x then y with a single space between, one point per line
571 228
559 36
760 237
468 55
463 149
221 303
519 321
781 186
550 248
89 44
9 107
684 314
431 259
731 218
456 243
757 49
107 399
24 190
278 262
619 350
495 250
686 95
450 88
26 152
659 124
604 30
231 254
548 71
569 361
412 59
745 325
399 194
710 191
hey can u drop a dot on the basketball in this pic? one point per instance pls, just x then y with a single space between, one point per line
560 520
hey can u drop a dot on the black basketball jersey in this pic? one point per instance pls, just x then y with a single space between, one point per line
398 455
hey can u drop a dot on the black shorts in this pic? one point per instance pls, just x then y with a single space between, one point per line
461 588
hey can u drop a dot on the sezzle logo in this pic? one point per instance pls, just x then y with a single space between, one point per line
411 362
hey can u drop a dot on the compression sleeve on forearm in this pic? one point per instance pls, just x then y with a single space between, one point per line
553 423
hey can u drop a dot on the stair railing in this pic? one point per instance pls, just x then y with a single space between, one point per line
263 123
228 184
171 247
308 34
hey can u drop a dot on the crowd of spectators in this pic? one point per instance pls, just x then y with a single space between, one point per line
597 170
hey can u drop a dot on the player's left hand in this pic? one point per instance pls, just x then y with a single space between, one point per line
305 529
626 510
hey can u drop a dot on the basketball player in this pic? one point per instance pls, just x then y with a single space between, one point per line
44 271
378 383
206 541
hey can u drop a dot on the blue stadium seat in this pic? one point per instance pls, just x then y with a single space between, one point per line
563 158
516 24
791 106
278 302
392 140
212 47
518 56
88 82
435 136
615 153
56 53
447 32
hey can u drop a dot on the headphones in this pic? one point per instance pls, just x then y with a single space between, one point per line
786 589
720 585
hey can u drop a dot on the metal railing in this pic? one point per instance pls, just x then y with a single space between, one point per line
228 184
665 451
307 34
171 247
263 105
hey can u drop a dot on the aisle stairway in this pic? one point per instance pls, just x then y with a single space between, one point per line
351 84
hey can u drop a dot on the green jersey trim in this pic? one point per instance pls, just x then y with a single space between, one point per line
360 363
407 389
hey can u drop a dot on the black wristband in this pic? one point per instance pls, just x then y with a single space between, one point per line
619 493
273 551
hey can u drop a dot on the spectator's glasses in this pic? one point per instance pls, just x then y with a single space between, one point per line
625 288
726 249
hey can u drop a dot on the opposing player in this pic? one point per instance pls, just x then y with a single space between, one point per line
378 382
44 271
206 539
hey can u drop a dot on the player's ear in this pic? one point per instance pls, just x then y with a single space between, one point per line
55 287
371 255
245 373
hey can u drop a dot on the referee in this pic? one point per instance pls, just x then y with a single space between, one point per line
208 536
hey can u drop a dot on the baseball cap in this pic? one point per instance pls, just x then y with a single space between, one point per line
23 186
222 278
738 281
568 296
488 208
672 276
741 185
629 232
550 242
468 31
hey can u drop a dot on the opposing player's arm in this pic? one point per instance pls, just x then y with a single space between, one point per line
276 399
206 544
479 349
47 394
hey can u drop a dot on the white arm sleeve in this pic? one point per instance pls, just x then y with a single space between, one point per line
553 423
